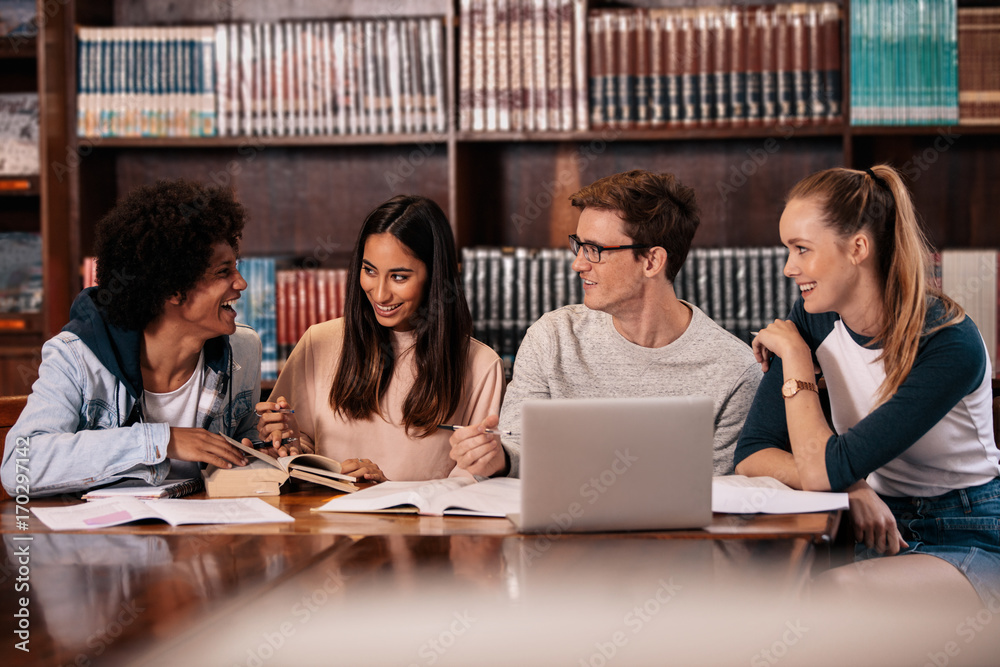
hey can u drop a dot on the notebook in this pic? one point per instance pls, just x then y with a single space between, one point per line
615 464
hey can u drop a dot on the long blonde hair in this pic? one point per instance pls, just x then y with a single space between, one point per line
877 202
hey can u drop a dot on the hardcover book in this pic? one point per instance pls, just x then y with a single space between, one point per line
264 475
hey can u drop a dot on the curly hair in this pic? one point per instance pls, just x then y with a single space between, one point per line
657 209
156 243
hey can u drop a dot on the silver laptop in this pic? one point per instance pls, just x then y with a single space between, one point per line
613 464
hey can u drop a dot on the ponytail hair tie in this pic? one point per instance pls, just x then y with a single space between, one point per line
881 182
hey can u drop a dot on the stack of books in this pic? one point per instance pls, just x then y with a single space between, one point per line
715 66
331 77
978 69
270 79
146 82
509 288
904 62
20 272
522 66
19 147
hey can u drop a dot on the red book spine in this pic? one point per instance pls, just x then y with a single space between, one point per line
598 71
301 311
283 312
737 66
832 82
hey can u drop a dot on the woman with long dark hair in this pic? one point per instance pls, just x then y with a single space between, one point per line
370 389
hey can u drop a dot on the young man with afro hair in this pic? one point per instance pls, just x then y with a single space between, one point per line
152 366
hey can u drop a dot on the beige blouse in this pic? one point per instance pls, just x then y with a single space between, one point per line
306 380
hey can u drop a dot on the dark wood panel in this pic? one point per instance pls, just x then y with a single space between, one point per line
57 114
18 367
94 596
520 191
306 203
19 74
953 180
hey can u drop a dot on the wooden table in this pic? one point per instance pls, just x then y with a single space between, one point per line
393 588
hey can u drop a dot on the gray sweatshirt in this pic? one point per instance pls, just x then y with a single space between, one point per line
576 352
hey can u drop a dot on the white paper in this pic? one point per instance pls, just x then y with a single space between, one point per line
736 494
175 511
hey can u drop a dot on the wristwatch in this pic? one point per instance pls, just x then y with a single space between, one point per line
792 387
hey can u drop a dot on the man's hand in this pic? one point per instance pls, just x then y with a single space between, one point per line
197 444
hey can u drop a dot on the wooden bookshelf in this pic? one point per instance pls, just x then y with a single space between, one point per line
498 188
21 334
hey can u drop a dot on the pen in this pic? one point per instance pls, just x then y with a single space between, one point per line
455 427
284 411
259 444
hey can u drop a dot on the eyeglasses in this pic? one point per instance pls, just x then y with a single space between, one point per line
592 251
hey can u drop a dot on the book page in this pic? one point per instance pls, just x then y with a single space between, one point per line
387 495
754 482
96 514
492 497
766 495
222 510
116 511
271 461
321 465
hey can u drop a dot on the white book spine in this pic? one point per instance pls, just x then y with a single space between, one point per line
340 81
221 79
435 28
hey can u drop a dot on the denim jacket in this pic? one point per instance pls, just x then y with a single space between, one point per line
83 427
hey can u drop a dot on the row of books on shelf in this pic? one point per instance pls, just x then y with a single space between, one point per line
270 79
20 272
508 289
978 70
742 289
904 62
715 66
544 65
522 65
19 134
17 18
331 77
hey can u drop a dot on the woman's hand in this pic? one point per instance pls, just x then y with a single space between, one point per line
874 524
781 339
276 424
363 469
475 450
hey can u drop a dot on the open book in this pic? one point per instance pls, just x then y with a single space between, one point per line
455 495
264 475
115 511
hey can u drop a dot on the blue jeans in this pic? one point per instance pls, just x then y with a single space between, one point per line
961 527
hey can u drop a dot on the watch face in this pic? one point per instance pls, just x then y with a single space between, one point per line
789 389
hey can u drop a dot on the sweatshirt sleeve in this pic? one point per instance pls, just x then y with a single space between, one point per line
530 382
297 384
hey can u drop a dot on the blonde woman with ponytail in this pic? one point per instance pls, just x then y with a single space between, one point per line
909 382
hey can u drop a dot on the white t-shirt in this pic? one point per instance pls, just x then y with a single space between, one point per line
178 408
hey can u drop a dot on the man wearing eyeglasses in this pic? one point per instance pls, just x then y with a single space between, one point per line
631 336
